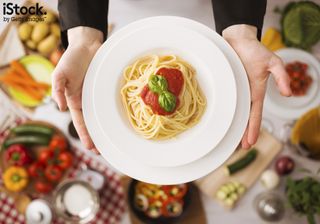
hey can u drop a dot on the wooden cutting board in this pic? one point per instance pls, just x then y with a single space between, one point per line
194 214
268 147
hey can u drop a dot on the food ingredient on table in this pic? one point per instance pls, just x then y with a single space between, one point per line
269 206
18 77
242 162
160 200
36 170
41 36
306 132
84 199
39 212
15 178
304 196
55 56
272 39
270 179
64 160
300 24
53 173
26 140
284 165
229 193
17 155
58 143
43 186
30 129
300 80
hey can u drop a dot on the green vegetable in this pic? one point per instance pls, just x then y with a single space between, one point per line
242 162
167 101
157 84
29 129
300 24
27 140
304 196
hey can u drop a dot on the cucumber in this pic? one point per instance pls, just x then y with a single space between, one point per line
32 129
27 140
242 162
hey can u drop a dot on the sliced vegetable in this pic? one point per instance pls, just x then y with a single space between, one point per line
17 155
27 140
141 202
230 193
172 207
15 178
32 129
242 162
270 179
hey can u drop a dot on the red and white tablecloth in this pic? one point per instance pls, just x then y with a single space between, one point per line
112 203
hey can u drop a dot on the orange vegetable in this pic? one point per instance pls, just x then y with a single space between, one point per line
19 68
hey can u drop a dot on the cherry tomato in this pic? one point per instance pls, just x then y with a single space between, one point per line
42 186
53 173
45 156
65 160
36 170
58 143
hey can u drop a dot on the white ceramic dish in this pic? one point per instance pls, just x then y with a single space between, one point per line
215 78
198 168
294 107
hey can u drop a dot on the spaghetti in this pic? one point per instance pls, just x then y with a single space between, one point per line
161 96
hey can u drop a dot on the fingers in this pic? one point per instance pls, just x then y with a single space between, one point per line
58 90
244 141
81 129
254 121
280 75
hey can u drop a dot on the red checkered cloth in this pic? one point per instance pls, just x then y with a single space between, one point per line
112 203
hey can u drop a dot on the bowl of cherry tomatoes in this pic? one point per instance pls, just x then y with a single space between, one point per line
35 157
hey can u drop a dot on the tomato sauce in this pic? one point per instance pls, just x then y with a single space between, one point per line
175 80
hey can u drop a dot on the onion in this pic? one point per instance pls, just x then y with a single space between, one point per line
284 165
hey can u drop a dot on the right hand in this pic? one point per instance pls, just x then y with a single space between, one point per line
69 74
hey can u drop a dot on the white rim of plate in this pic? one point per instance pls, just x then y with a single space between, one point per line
214 123
196 169
291 108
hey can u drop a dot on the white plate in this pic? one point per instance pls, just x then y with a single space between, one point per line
200 167
293 107
215 78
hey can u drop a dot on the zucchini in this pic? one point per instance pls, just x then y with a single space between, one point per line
27 140
242 162
32 129
229 193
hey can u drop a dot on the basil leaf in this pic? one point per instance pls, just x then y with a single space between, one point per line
167 101
157 84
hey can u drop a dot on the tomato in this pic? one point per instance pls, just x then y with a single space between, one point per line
42 186
53 173
174 78
45 156
65 160
55 56
36 170
58 143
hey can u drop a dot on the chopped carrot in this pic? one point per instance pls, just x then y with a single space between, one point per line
19 68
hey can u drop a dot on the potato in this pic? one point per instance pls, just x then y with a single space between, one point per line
24 31
47 45
55 29
50 17
31 44
40 31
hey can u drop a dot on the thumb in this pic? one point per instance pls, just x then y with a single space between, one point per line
276 67
58 89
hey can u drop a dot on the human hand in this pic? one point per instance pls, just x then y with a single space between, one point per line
69 74
259 62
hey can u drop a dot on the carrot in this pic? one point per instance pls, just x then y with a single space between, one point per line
19 68
13 76
27 90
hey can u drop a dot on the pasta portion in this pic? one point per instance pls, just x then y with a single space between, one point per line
161 96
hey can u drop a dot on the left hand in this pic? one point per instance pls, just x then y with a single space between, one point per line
259 62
